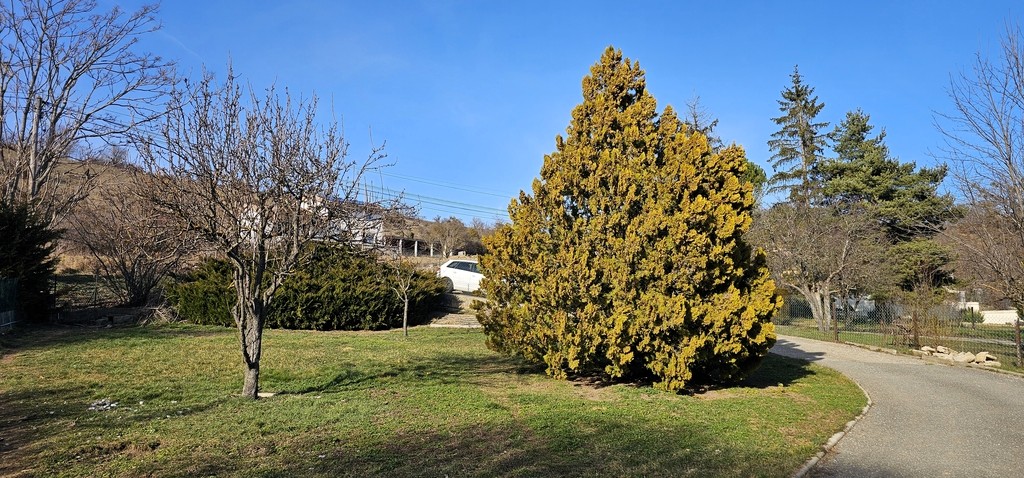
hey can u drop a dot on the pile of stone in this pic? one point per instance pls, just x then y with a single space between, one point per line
102 405
945 353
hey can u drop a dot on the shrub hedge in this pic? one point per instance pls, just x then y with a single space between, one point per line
336 290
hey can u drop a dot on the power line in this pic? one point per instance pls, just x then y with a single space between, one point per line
446 203
448 211
433 200
444 184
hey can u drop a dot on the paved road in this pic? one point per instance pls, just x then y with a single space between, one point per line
927 420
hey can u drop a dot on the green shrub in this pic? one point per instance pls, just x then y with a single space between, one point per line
971 316
335 290
204 296
26 254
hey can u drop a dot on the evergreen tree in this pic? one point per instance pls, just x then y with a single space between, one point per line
903 197
26 254
628 259
798 146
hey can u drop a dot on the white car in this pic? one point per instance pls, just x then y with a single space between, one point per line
460 275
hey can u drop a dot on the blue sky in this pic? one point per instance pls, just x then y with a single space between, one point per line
469 95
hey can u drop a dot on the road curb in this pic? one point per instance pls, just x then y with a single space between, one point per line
834 439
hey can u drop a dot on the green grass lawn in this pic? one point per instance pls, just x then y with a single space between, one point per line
363 404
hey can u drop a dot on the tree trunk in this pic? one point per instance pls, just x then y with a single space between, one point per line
826 308
252 338
405 315
251 387
249 315
817 301
815 304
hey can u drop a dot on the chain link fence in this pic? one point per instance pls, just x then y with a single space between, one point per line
8 302
899 325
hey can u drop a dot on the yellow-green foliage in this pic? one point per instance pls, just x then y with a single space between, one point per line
628 259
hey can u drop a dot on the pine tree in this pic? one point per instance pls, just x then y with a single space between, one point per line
903 197
798 146
628 259
27 242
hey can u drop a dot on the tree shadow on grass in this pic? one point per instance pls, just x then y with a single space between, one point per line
32 337
783 366
775 371
598 446
475 369
441 369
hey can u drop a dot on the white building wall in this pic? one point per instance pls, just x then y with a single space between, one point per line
999 316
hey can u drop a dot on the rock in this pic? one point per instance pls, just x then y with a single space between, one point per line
102 405
946 357
942 350
927 349
920 353
982 357
963 357
991 363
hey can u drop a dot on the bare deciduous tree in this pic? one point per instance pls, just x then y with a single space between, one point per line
450 233
985 142
129 237
819 253
69 76
990 252
401 278
258 178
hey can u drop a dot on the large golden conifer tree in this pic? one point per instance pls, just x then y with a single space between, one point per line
628 258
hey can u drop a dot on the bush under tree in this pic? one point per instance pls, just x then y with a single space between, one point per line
628 259
335 290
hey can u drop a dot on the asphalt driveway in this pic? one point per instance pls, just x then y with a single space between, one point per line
927 420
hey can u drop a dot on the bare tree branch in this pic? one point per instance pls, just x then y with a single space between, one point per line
257 177
985 141
819 252
70 76
129 238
